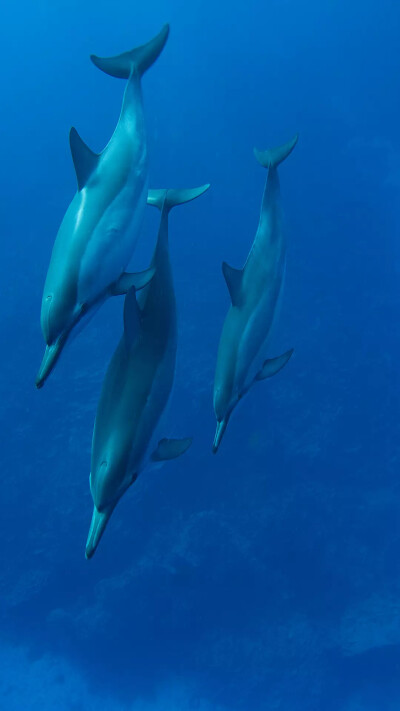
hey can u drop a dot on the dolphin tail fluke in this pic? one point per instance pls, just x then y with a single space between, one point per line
97 528
272 157
127 280
168 199
139 58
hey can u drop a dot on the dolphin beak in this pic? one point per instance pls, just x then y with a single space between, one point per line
97 528
50 358
221 427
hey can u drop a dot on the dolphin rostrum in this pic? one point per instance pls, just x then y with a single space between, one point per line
138 382
254 292
99 231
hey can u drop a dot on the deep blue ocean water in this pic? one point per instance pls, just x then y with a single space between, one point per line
265 578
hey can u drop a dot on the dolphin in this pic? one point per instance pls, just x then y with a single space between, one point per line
138 382
254 292
100 228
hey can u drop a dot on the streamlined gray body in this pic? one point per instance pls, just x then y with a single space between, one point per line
138 382
99 231
254 292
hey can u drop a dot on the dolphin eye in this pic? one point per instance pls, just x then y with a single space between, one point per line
49 297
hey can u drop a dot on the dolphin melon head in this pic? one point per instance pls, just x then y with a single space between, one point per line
107 485
110 478
57 319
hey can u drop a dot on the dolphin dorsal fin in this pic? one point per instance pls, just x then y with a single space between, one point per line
170 449
132 318
84 159
233 278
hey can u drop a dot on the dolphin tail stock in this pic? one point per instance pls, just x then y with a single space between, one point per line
272 157
167 199
132 319
139 58
97 528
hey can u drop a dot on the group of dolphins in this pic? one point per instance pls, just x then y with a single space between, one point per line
92 249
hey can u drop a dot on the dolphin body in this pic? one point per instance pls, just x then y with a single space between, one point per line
254 292
99 231
138 382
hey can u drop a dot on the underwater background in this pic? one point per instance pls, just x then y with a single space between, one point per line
265 577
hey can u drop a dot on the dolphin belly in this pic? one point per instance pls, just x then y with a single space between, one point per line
154 413
256 334
113 242
135 392
60 288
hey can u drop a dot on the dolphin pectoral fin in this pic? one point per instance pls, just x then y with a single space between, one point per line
140 58
272 157
170 449
97 528
84 159
273 366
127 280
219 433
270 368
132 318
49 360
233 278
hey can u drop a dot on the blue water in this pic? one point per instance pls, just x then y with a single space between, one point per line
265 578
